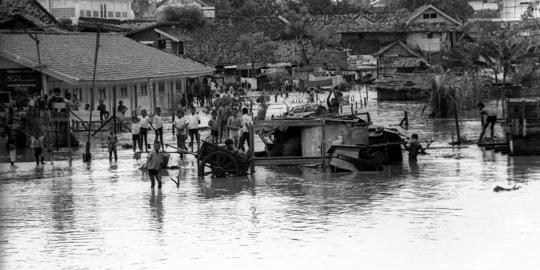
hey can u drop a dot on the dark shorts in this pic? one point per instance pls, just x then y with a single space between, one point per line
152 172
194 131
143 131
38 151
492 119
159 131
214 133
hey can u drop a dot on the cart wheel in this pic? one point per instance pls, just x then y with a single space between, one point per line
218 164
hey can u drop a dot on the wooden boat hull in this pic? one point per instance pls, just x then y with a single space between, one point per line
357 159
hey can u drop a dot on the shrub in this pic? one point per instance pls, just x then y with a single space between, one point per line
186 17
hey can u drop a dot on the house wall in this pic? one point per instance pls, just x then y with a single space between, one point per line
73 9
172 47
421 41
438 18
130 93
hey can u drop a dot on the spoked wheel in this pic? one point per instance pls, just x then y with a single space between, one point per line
218 164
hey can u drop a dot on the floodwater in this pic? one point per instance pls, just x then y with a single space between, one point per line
440 213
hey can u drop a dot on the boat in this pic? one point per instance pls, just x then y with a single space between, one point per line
330 139
384 148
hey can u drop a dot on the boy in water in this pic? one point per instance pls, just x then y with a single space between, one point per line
12 154
214 127
112 141
488 118
154 166
414 148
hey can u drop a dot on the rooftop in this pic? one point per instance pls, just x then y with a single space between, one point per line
70 57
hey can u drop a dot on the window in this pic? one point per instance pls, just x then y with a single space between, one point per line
123 91
63 12
426 16
95 13
88 13
161 87
433 15
117 14
124 14
81 13
144 91
110 14
430 35
178 86
102 94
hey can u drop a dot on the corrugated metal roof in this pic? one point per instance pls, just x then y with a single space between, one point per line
70 57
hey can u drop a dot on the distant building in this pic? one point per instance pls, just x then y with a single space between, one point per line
514 9
208 10
75 9
140 76
25 14
423 34
480 5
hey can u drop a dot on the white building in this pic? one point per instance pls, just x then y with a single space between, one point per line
513 9
208 10
74 9
479 5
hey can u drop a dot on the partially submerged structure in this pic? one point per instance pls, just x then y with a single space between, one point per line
523 125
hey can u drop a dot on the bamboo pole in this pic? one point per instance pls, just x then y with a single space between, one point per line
458 136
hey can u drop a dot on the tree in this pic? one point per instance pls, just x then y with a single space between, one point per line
186 17
310 41
256 47
140 7
459 9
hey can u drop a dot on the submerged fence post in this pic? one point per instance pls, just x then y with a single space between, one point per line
323 144
458 137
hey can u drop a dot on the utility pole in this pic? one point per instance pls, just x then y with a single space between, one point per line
87 156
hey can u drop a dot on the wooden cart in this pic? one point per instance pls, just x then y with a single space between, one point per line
219 162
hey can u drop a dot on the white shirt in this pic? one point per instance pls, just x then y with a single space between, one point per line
145 121
158 121
193 121
180 124
246 121
135 128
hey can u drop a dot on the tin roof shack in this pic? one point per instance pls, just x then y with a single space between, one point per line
523 125
141 76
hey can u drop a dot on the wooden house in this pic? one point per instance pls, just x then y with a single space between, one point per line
426 30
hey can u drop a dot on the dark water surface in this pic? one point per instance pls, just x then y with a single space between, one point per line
440 213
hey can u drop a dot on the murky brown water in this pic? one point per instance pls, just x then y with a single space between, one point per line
438 214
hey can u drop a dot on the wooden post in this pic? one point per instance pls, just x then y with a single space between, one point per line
251 148
87 157
114 109
458 136
323 144
365 101
68 127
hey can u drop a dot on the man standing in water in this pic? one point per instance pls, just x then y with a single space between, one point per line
154 166
144 127
246 123
488 118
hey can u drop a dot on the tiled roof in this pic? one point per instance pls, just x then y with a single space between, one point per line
70 57
401 62
216 42
403 46
397 21
29 9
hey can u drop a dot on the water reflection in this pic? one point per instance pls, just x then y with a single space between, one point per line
217 187
156 207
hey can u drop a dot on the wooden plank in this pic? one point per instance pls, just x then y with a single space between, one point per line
286 161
